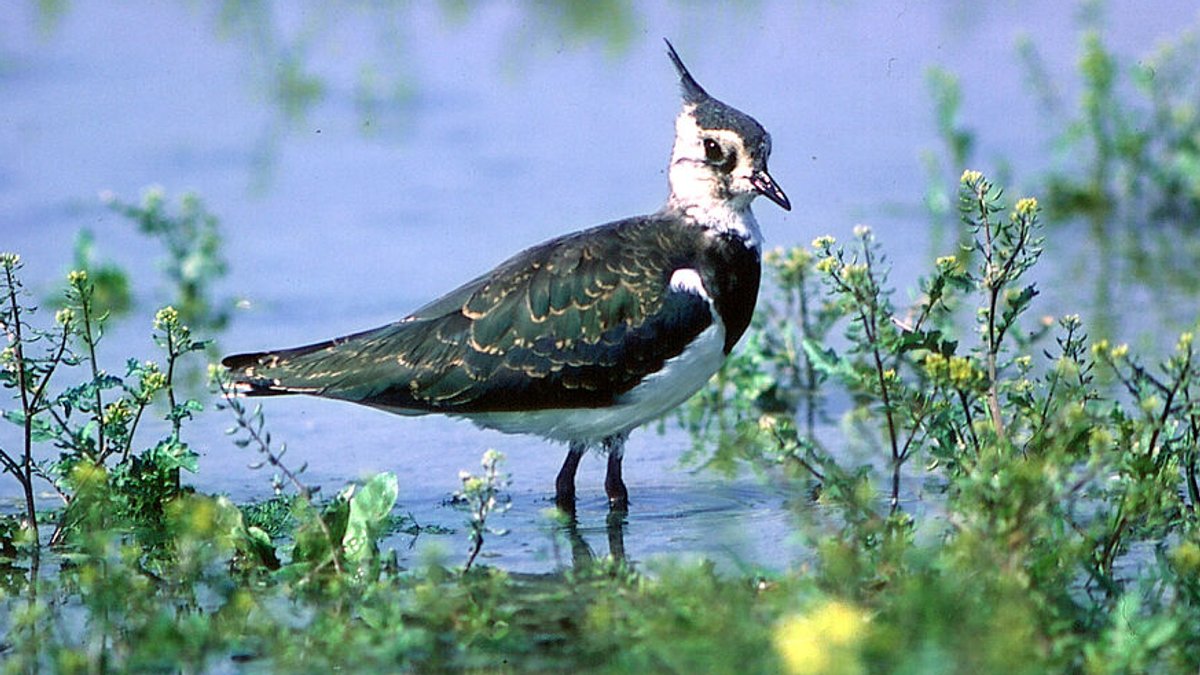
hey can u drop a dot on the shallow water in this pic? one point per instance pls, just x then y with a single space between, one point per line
442 141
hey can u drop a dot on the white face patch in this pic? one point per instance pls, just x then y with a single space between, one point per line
688 280
697 189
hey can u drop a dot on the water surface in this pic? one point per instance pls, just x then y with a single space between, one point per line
364 159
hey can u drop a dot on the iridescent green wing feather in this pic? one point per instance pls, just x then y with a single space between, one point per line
571 323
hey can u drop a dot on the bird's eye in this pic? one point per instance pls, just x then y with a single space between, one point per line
712 151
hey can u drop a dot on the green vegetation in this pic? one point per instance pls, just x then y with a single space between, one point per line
480 497
1058 530
191 239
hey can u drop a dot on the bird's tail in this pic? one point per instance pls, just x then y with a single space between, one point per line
262 373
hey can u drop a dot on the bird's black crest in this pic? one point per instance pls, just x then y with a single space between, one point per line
713 114
692 91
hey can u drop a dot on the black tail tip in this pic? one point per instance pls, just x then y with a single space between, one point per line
242 361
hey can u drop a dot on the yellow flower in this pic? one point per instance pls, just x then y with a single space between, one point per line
153 381
1027 206
969 177
827 265
1185 342
791 264
823 242
962 373
798 257
948 264
166 317
1100 439
856 273
117 413
1119 352
77 277
823 641
1186 558
935 365
9 260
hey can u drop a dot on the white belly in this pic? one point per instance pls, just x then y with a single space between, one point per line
659 393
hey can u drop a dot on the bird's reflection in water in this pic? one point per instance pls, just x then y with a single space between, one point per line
582 556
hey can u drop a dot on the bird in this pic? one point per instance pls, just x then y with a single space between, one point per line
585 337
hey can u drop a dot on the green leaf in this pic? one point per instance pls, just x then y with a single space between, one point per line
827 361
255 544
312 545
930 340
369 510
1017 304
40 429
173 454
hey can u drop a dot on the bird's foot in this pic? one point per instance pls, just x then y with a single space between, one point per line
565 501
618 496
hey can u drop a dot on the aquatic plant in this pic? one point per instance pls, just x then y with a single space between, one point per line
1050 480
191 238
93 424
482 497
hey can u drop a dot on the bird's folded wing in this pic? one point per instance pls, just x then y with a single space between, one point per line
574 322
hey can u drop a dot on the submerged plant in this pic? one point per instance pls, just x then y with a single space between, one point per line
191 236
112 294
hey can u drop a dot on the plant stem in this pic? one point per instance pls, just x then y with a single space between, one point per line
176 421
137 418
85 305
872 331
273 459
477 546
810 371
966 406
25 477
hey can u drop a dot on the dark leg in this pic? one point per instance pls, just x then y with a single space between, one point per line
618 496
616 533
564 485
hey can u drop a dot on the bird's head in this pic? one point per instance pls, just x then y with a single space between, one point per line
720 156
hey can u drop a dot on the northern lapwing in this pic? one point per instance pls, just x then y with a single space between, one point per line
584 337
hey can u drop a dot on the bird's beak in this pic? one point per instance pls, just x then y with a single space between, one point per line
762 181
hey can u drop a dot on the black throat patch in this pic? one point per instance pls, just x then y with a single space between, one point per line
737 271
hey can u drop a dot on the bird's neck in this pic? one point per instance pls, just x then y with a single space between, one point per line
719 217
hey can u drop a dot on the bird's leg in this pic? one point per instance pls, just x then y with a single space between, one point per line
618 496
564 485
615 524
